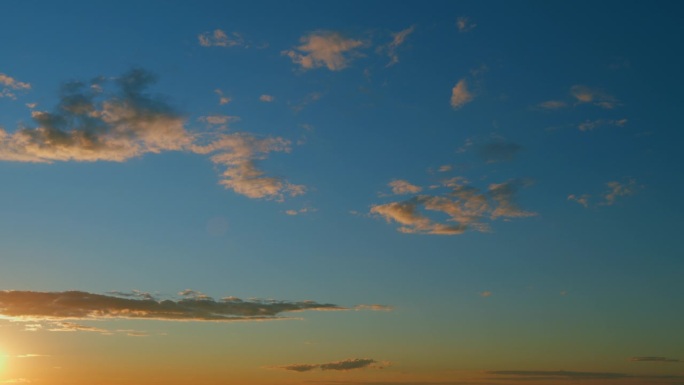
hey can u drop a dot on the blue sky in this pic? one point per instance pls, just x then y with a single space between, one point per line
505 177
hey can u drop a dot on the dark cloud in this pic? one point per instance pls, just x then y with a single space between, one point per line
69 305
349 364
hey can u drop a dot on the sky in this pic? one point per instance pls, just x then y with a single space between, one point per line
341 193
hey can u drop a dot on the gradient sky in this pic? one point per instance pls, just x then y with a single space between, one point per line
341 193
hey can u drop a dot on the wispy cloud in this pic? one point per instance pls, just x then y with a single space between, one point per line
349 364
266 98
64 307
654 359
608 198
401 187
90 126
392 47
9 85
589 125
460 94
222 98
552 105
220 38
324 49
374 307
486 294
467 207
464 24
595 96
581 199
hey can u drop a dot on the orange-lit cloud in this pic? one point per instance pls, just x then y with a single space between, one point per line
324 49
9 85
467 208
88 126
391 48
266 98
219 38
595 96
400 187
460 94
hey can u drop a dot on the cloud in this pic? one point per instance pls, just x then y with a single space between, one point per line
222 98
533 375
465 206
552 105
8 86
398 39
220 39
617 189
349 364
445 168
464 24
374 307
64 307
589 125
90 126
486 294
266 98
597 97
400 187
581 199
324 49
460 94
498 149
654 359
218 119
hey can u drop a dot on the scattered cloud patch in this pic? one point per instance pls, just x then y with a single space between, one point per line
617 189
222 98
401 187
391 49
218 120
220 38
654 359
89 126
349 364
552 105
65 307
301 211
589 125
464 24
445 168
465 207
266 98
486 294
9 86
460 94
324 49
581 199
595 96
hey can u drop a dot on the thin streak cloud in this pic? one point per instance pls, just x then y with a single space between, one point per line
345 365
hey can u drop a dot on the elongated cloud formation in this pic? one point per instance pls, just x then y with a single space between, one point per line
324 49
72 305
89 126
349 364
654 359
9 84
595 96
536 375
460 94
398 39
467 208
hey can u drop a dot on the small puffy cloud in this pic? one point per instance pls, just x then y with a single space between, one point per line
581 199
589 125
597 97
654 359
460 94
301 211
445 168
90 126
222 98
324 49
401 187
9 85
486 294
466 207
64 307
398 39
219 38
266 98
349 364
498 149
218 119
464 24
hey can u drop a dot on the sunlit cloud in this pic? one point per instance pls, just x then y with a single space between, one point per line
552 105
66 307
595 96
654 359
401 187
88 126
581 199
374 307
464 24
486 294
617 189
222 98
467 208
266 98
349 364
391 48
324 49
219 38
460 94
10 85
445 168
